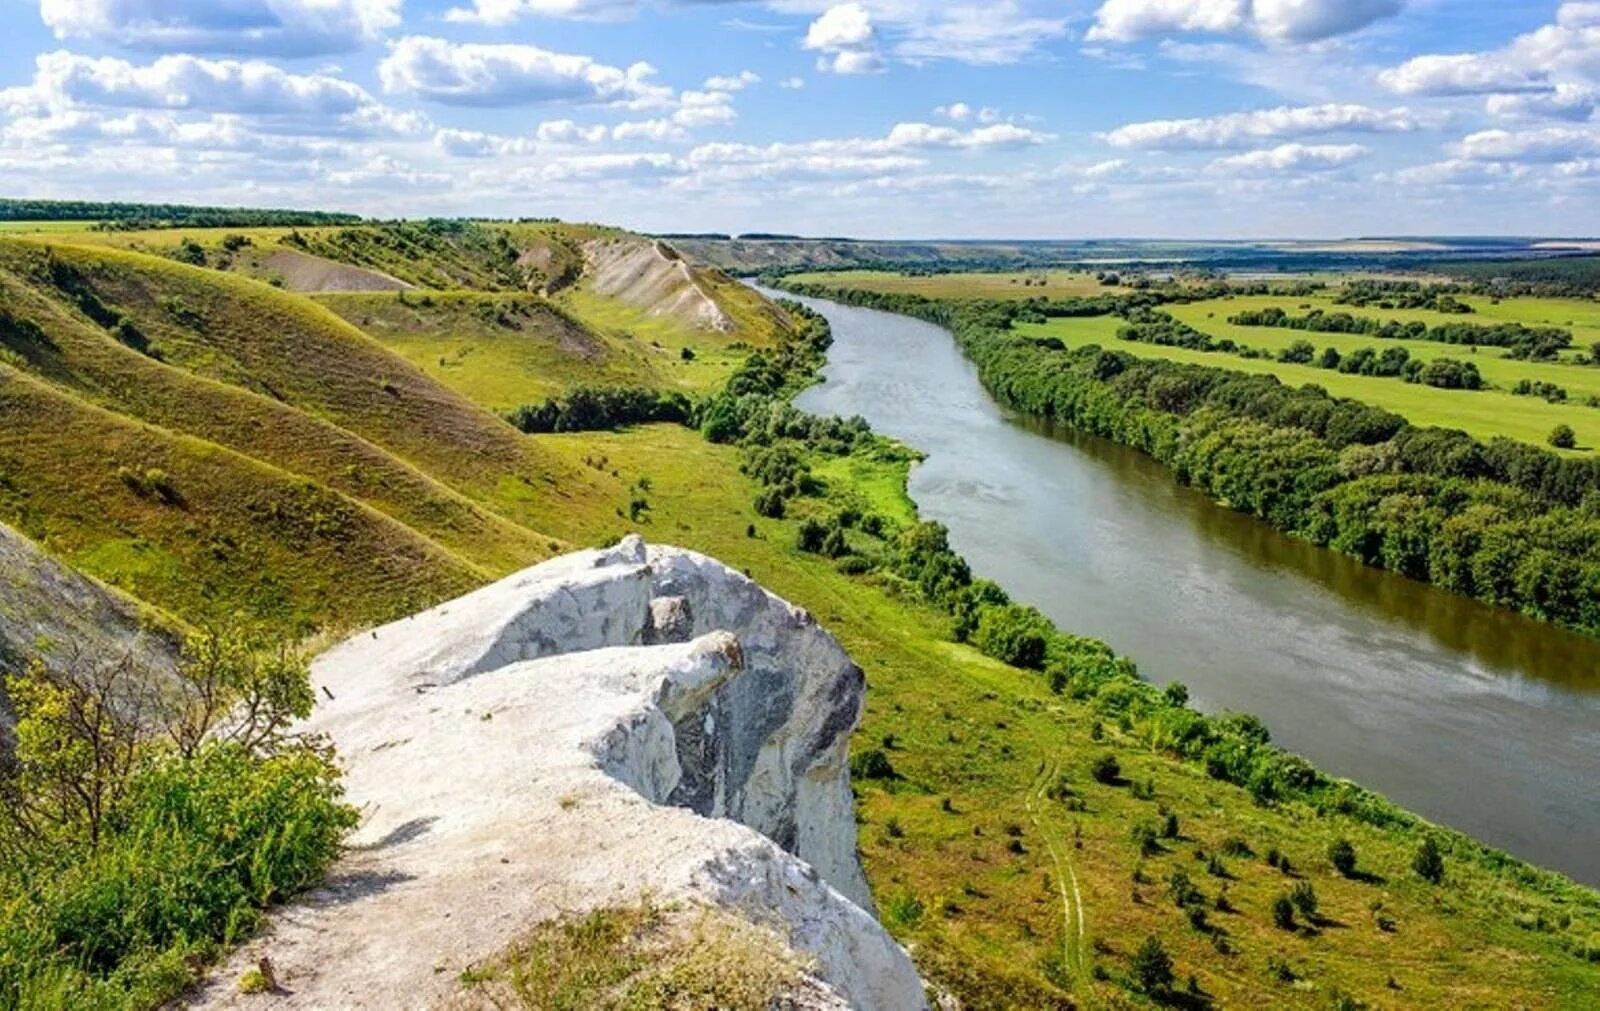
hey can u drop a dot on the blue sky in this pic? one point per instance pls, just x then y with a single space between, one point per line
891 118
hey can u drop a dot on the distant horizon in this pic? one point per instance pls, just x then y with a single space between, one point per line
1043 118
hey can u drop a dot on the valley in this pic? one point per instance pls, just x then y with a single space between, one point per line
322 461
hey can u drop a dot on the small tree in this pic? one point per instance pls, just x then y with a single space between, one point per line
1304 898
1283 913
1105 768
1343 857
1152 967
1429 862
1563 437
811 536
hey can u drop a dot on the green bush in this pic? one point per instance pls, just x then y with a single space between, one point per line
1563 437
1106 769
192 854
1152 967
1343 857
1429 862
1013 634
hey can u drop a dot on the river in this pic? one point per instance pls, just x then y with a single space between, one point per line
1475 718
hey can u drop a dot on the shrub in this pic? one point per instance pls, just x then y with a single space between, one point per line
1304 898
1013 634
142 830
1152 967
1563 437
1283 913
811 536
873 763
1144 837
1342 854
1105 768
1428 861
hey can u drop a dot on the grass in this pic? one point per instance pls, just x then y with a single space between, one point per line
988 284
978 744
641 957
1481 413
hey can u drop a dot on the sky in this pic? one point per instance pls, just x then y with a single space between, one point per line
871 118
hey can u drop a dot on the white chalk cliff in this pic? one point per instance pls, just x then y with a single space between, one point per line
605 726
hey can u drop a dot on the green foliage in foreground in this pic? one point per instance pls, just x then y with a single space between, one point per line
1507 522
145 827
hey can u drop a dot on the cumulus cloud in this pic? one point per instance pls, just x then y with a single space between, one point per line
234 27
1550 144
906 136
505 12
314 103
565 131
1565 101
846 40
1567 51
1283 21
1289 158
1240 128
736 82
1461 74
503 75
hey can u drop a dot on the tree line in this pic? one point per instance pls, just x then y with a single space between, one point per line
118 215
1510 523
1523 342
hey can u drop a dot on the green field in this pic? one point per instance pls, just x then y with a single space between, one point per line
1481 413
998 284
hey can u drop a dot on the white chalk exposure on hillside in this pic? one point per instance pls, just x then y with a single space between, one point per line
604 726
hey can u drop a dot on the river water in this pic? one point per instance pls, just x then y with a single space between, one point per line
1475 718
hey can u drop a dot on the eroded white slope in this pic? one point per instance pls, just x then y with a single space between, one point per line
603 727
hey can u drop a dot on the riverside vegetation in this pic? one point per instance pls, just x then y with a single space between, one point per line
1043 827
1510 523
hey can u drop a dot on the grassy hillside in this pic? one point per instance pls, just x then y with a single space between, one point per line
1015 894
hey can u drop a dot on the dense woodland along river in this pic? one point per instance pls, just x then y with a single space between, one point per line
1473 717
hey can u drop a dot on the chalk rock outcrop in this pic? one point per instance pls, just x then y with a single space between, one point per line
605 726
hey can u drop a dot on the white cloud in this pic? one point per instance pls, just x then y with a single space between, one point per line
738 82
1284 21
1289 158
846 26
565 131
958 111
846 40
1550 144
793 83
1000 135
275 98
502 75
1566 101
242 27
1456 172
1565 52
1461 74
1241 128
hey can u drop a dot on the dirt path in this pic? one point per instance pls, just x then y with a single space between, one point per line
1074 931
